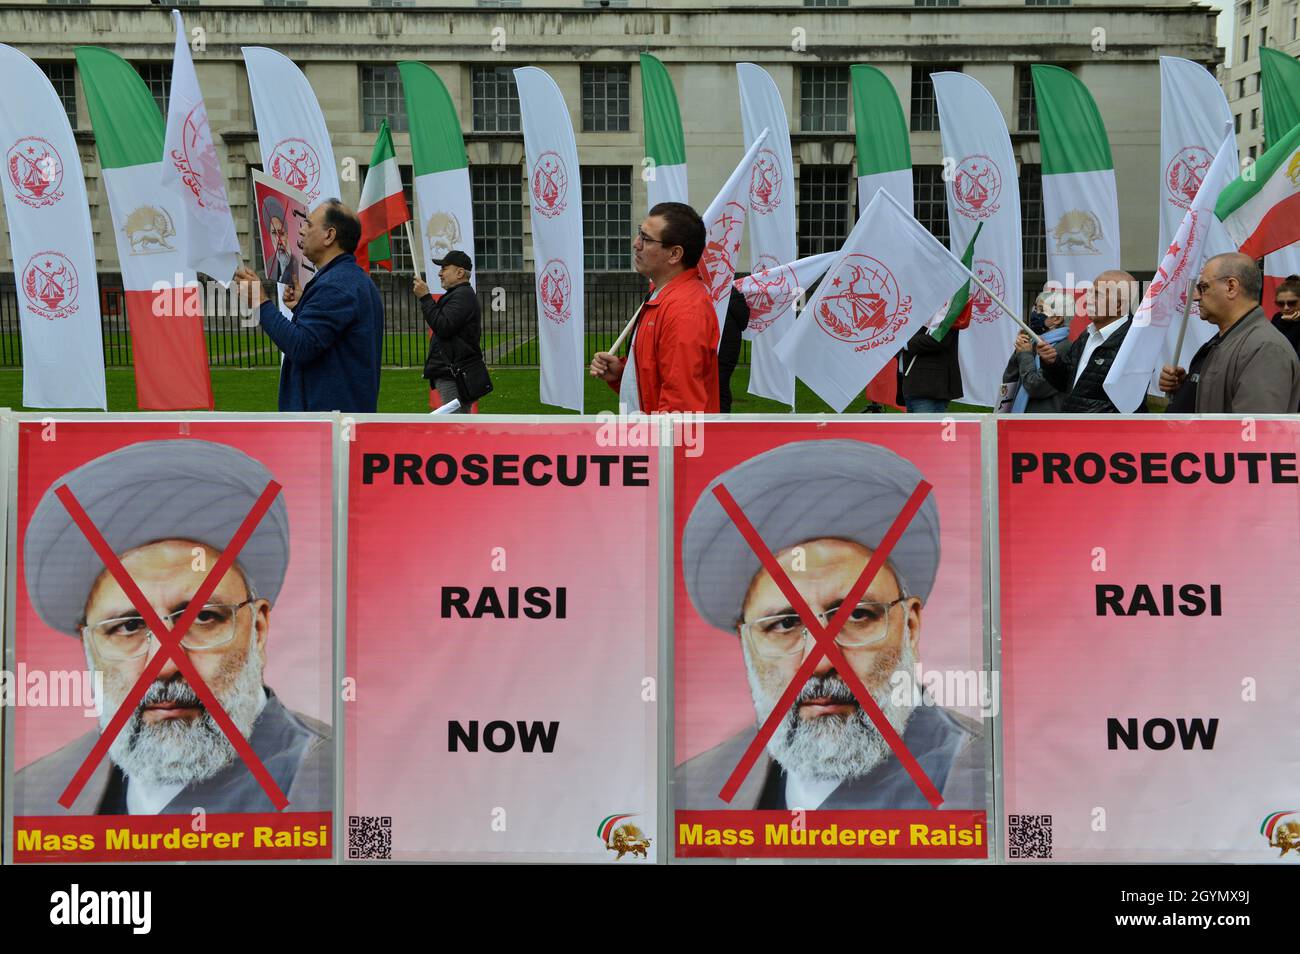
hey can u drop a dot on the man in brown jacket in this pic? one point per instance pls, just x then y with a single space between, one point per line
1248 367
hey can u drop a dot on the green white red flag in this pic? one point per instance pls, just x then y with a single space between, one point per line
1279 87
1261 208
1080 205
959 307
383 203
665 144
163 304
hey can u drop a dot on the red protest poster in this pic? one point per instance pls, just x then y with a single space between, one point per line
868 738
281 213
1148 608
173 642
503 636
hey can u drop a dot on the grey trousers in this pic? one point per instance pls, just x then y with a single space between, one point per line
446 388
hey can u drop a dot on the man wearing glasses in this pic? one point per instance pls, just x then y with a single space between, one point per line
168 509
822 508
1249 367
673 364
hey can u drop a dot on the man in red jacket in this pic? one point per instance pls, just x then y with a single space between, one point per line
674 348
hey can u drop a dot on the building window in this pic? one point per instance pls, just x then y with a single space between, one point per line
158 77
1252 153
824 98
925 108
1026 107
1241 87
1047 3
825 208
1033 228
605 98
381 98
285 3
1254 118
934 3
498 195
1263 5
1263 36
68 3
1236 123
607 218
499 3
1245 48
495 99
825 3
1244 11
931 200
392 3
599 3
63 78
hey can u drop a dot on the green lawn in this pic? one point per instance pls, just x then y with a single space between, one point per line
403 391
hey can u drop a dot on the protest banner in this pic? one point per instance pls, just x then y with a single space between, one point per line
281 214
815 717
1148 609
503 629
173 632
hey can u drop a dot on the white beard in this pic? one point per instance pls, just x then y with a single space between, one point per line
183 751
832 747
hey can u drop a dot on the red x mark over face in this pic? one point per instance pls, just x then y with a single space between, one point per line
169 645
826 645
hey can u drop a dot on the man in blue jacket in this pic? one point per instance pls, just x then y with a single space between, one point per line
334 343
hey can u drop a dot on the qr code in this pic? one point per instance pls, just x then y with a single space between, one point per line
370 836
1029 836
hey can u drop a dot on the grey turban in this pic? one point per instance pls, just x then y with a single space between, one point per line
142 493
799 492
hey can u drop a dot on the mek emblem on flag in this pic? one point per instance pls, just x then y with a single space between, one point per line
719 251
50 285
554 291
148 228
443 232
1184 174
296 164
774 295
1077 233
550 185
196 161
982 308
765 183
1147 313
36 170
976 185
863 304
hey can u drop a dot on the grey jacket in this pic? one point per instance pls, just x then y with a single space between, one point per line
297 751
948 746
1042 397
1253 370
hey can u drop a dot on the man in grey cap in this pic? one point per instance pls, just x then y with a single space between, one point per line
822 508
168 509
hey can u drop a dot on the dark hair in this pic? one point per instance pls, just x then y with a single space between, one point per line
682 226
344 222
1289 284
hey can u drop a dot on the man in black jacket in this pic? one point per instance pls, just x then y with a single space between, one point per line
729 347
930 374
455 322
1079 372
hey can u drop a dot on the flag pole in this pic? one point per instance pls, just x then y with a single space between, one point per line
410 241
1182 327
1000 303
613 349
